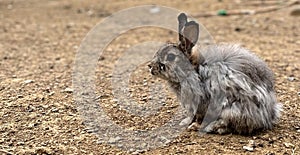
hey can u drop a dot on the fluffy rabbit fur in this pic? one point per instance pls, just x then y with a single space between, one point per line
224 87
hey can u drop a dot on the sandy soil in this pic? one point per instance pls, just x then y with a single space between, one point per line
38 44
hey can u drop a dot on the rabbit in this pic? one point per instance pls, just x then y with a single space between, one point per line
224 87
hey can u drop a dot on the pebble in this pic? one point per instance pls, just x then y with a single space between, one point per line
248 148
137 152
144 99
54 110
289 145
291 78
68 90
28 81
31 125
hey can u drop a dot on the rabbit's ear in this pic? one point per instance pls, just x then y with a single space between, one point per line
191 34
182 20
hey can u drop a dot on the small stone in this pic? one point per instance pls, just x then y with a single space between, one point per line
68 90
248 148
28 81
54 110
144 99
137 152
289 145
31 125
291 78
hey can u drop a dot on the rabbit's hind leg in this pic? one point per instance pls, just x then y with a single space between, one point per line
219 126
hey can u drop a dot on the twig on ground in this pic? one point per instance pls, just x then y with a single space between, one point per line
264 2
247 12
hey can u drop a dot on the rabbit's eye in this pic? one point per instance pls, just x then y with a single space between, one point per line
171 57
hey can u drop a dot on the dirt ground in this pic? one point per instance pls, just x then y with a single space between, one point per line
38 44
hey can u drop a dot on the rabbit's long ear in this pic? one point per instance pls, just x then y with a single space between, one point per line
188 34
191 34
182 20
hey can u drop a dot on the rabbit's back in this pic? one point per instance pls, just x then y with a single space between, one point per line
240 88
239 59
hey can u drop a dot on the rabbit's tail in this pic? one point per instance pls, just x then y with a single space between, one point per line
278 108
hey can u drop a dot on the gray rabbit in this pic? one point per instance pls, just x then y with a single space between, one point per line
224 87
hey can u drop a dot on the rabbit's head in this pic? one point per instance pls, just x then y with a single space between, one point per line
173 62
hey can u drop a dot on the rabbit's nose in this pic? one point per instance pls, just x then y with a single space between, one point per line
150 68
153 69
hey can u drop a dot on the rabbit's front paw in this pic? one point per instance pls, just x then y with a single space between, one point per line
194 126
186 121
218 126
